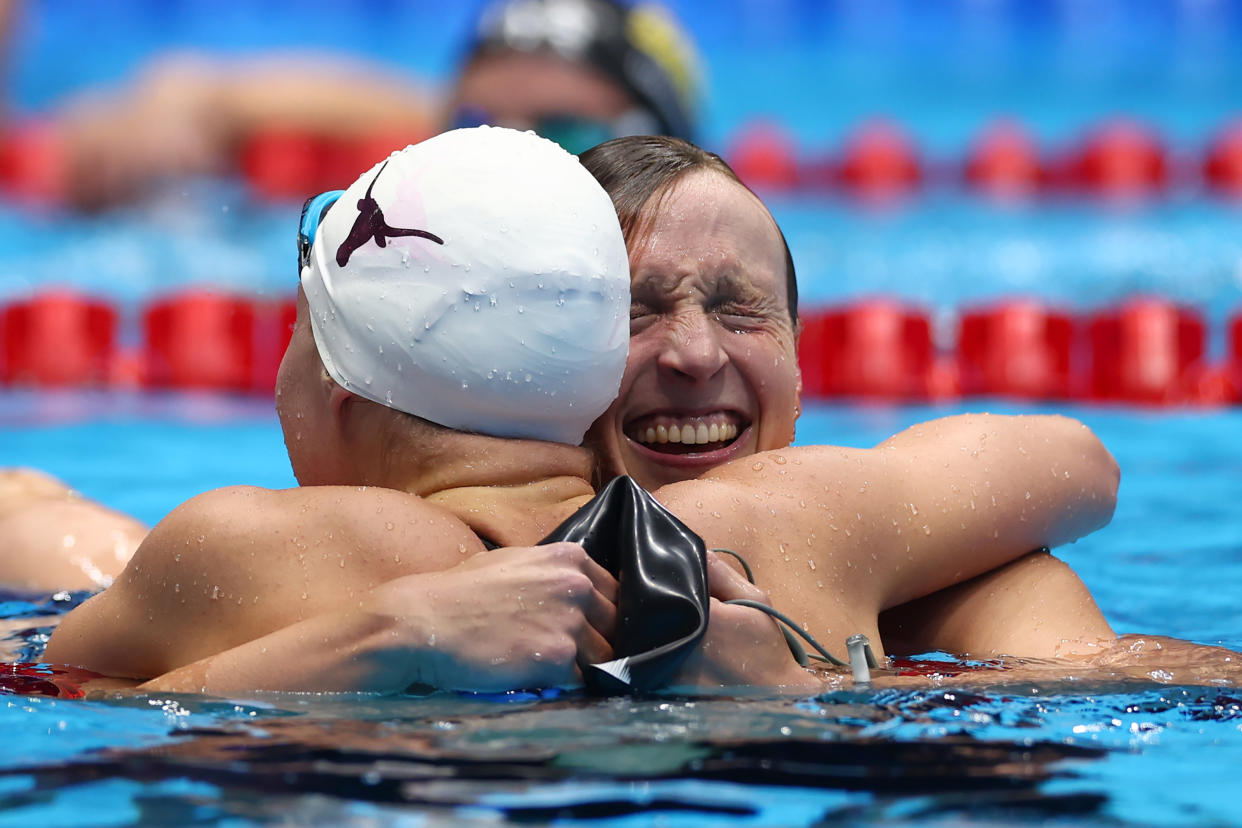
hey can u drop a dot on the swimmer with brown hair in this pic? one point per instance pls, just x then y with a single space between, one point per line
711 274
712 378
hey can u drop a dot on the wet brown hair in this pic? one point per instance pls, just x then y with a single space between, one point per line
637 168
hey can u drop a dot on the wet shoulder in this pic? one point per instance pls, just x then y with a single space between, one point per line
321 539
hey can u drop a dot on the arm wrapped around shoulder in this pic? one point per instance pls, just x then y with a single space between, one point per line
1047 478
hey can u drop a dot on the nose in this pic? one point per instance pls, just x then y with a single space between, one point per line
693 349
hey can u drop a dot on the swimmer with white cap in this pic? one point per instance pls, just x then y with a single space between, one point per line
463 319
491 297
436 285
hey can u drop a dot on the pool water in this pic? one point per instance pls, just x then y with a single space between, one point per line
1091 751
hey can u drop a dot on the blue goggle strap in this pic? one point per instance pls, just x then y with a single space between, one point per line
313 212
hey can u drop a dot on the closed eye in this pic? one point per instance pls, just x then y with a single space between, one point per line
739 317
641 317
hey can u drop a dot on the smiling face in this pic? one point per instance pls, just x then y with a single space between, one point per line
712 373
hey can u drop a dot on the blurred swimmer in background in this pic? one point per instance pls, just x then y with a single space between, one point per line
576 71
53 538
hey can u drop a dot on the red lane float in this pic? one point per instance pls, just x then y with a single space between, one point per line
285 164
876 349
1119 159
1222 166
1004 163
273 329
765 156
33 166
200 339
344 158
1017 348
57 338
1233 361
281 164
879 162
215 341
1147 351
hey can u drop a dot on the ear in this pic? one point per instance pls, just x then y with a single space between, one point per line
342 406
798 396
797 409
798 369
361 426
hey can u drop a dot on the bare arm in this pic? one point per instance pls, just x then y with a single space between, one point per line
994 488
743 646
1034 607
932 506
187 114
54 538
503 619
235 564
949 499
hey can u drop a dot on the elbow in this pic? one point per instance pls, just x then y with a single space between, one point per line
1100 474
1113 475
1112 481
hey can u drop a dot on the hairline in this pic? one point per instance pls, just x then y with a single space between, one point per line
691 159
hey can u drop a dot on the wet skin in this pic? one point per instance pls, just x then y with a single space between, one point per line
712 373
712 343
517 89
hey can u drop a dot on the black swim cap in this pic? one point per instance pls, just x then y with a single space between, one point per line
639 46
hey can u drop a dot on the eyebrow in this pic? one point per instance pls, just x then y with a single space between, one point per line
732 282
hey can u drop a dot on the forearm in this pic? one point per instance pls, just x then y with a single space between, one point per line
1035 607
331 97
976 491
1049 472
458 629
351 651
190 115
934 505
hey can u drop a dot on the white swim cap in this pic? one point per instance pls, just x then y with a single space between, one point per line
478 280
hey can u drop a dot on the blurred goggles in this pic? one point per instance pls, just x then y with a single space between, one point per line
313 211
575 133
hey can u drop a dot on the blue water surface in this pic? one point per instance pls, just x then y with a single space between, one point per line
1082 753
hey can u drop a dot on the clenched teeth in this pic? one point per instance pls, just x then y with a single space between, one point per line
689 433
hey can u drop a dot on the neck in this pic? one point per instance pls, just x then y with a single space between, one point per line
459 460
513 492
